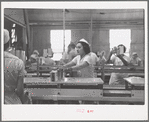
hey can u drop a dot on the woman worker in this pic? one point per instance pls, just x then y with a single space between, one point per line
13 76
82 62
101 57
36 53
135 60
118 58
70 54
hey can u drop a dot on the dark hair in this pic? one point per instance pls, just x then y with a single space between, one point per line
123 46
86 47
72 45
6 46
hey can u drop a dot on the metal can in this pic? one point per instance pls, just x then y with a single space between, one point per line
54 75
59 74
41 61
62 74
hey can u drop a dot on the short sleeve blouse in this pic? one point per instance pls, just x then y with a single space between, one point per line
87 71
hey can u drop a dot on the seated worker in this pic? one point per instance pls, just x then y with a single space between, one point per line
32 60
95 59
135 60
70 54
118 59
36 53
48 61
50 52
95 62
65 58
13 76
42 60
82 63
101 57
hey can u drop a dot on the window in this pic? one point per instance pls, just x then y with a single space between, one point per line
57 42
120 36
13 34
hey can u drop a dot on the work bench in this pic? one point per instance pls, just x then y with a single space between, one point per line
84 90
106 70
102 71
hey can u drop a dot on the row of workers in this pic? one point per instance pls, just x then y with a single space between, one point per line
79 58
83 62
72 52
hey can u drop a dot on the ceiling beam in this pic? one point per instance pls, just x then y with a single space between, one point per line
15 21
27 30
105 22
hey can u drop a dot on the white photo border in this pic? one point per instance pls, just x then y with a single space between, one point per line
69 112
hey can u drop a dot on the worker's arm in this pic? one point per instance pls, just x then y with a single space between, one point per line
81 66
20 84
109 57
123 60
20 89
139 63
70 64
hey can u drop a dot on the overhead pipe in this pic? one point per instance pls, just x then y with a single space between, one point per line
91 28
27 31
63 30
15 21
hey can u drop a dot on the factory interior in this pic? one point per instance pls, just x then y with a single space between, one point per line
48 41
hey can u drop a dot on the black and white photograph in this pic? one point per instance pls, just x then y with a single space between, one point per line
74 60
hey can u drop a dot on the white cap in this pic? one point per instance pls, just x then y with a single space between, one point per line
35 52
134 53
83 40
6 36
33 56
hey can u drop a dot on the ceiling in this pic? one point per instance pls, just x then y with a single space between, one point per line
47 16
78 18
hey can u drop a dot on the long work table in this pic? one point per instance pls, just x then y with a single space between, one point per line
99 69
106 70
85 89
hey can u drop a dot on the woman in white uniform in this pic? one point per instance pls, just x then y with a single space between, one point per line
82 63
118 58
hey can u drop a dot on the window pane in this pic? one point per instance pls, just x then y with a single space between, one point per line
57 42
120 36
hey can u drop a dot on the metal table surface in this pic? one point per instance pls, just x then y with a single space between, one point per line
76 80
135 80
79 93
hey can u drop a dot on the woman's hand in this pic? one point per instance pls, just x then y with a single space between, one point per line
27 99
68 70
114 50
120 55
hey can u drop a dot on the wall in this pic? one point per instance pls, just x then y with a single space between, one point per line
40 39
15 15
40 36
138 42
76 35
100 39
